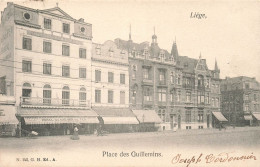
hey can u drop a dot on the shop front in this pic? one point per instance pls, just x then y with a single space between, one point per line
117 120
8 120
148 119
46 121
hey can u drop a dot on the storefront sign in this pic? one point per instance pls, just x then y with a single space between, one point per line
59 120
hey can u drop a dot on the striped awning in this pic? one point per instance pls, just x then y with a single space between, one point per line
219 116
7 115
60 120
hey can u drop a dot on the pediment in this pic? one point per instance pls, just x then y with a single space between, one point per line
57 11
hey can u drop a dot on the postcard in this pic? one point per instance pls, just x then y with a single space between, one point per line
129 83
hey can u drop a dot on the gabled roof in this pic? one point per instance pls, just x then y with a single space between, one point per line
187 64
57 11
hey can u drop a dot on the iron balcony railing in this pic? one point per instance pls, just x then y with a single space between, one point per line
54 102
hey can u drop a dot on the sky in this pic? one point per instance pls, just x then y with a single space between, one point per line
230 34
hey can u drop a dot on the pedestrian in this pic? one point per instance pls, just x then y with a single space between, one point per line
75 135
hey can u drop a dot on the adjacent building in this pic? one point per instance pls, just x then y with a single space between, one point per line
241 100
110 87
46 65
182 90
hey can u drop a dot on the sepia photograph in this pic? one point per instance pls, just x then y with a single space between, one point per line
135 83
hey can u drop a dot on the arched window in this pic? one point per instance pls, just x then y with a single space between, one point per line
47 94
26 93
65 95
82 96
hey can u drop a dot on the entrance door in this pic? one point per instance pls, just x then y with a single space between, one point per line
179 122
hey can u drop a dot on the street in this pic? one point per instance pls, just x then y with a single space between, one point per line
108 148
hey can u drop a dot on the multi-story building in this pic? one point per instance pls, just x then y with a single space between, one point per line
46 65
150 71
241 100
110 87
182 90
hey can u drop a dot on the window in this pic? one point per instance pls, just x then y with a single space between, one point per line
27 16
207 101
82 53
82 72
134 96
200 81
27 43
213 102
161 114
178 79
65 71
162 76
147 94
47 23
172 77
65 95
27 66
188 127
172 97
246 107
65 50
255 97
47 94
162 95
188 96
247 86
200 127
47 68
207 83
145 73
179 96
122 78
246 97
98 51
97 75
66 28
217 102
98 96
27 90
200 116
134 72
46 47
82 96
188 116
110 77
111 52
122 97
201 97
110 96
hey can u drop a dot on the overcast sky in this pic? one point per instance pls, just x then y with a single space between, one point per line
230 33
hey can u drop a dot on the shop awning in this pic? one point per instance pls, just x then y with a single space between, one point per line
116 115
248 117
7 115
60 120
257 116
147 116
120 120
219 116
56 112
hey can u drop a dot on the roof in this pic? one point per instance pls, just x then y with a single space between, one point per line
187 64
147 116
56 112
113 112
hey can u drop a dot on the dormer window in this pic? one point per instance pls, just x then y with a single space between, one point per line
111 52
98 51
26 16
186 65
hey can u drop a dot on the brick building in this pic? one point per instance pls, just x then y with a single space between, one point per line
241 100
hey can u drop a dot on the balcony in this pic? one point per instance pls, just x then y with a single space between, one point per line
53 102
187 86
201 105
162 83
189 104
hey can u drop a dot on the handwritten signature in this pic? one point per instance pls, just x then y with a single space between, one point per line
211 158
